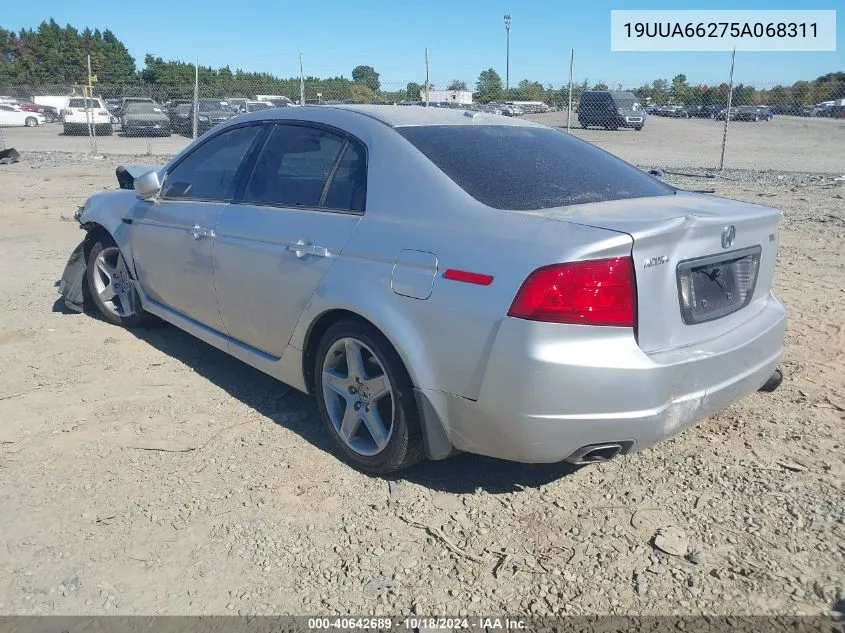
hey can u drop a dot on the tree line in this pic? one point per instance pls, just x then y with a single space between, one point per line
55 56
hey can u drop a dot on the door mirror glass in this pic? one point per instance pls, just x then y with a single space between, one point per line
147 185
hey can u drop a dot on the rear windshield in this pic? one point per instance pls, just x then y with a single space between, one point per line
83 103
214 105
525 168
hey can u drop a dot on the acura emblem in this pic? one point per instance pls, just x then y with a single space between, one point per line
728 235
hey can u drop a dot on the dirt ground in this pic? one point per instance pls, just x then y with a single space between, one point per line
147 473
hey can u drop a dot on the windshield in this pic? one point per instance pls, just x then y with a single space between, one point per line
252 107
143 108
215 105
525 168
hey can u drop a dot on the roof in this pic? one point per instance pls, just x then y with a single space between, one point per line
403 116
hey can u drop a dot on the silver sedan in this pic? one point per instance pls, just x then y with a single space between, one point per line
446 281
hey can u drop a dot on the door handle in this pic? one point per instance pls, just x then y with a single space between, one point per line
200 231
303 249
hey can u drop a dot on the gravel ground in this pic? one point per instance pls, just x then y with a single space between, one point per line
147 473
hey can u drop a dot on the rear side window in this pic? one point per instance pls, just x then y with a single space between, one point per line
349 184
296 164
212 170
525 168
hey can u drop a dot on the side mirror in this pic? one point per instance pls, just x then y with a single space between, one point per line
147 185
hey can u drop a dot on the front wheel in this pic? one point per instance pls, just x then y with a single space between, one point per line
30 121
366 398
110 285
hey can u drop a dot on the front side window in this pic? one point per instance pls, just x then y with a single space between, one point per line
294 167
211 171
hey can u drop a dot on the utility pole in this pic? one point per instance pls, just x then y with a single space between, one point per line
301 83
508 52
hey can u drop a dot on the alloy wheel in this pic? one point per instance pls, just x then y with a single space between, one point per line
358 396
113 284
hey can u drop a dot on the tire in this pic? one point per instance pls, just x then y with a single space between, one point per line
756 118
639 129
124 309
348 392
30 121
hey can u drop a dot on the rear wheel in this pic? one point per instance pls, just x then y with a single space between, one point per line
30 121
110 285
366 398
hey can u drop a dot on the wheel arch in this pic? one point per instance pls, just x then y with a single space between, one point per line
436 442
323 321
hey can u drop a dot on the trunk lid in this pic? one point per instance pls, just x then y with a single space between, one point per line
691 286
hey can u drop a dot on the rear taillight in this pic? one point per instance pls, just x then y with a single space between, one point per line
596 292
102 113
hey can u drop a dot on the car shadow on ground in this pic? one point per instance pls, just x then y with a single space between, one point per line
287 407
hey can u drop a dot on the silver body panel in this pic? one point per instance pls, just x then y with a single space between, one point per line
260 276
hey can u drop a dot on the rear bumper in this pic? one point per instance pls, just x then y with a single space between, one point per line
551 389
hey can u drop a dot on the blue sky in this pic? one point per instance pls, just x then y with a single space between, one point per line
463 38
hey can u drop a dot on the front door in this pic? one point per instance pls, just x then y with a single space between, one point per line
173 235
299 208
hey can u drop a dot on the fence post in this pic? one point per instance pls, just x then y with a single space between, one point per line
93 116
728 110
569 107
196 94
301 83
426 77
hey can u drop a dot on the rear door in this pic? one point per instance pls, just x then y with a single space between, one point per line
301 204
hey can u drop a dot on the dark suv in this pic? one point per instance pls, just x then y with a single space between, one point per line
611 110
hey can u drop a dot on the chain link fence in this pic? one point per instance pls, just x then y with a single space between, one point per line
668 125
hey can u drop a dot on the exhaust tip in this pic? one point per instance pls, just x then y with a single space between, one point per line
773 382
597 453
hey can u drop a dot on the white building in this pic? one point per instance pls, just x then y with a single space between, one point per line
464 97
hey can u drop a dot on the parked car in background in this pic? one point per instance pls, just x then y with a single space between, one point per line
141 119
792 110
28 106
51 114
764 112
125 101
254 106
211 112
310 245
81 112
236 103
181 120
279 101
712 110
10 116
610 110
